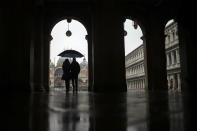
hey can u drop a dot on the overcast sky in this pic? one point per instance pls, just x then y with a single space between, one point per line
62 42
133 37
78 42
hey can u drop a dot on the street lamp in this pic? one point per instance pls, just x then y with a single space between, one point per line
68 32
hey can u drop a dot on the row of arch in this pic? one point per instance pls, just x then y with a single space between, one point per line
102 34
90 43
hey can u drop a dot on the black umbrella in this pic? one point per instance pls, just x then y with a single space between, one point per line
71 54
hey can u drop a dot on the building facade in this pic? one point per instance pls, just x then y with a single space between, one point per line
51 75
83 76
173 57
59 83
134 62
135 74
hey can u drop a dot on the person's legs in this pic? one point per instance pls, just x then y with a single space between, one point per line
73 83
67 85
76 83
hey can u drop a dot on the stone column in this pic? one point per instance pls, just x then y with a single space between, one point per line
108 48
90 57
168 78
16 37
38 53
174 82
140 84
188 61
172 57
137 84
143 68
46 54
140 68
179 81
177 55
155 58
167 58
143 83
135 69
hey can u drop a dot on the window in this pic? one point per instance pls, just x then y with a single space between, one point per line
174 54
173 35
170 59
168 39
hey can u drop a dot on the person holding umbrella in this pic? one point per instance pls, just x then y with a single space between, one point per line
66 73
74 71
74 66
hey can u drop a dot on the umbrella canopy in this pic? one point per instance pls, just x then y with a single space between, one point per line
70 54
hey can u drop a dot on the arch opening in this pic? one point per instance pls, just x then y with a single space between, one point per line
134 55
68 35
173 64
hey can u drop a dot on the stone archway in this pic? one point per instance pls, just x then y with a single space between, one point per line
44 22
88 38
77 41
134 55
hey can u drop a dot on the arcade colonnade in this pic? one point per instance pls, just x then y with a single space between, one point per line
104 23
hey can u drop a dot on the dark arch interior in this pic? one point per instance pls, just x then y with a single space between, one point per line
25 34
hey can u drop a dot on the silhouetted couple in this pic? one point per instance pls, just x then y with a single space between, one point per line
71 72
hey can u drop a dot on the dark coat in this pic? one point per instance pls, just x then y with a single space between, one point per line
74 69
66 70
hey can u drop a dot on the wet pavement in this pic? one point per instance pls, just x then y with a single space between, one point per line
136 110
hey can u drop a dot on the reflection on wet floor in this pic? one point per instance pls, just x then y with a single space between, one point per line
136 110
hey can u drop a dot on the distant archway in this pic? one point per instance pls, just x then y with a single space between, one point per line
61 41
134 55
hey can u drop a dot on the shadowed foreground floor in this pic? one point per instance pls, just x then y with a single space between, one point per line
135 110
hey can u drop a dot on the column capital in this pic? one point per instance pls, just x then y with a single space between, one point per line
143 37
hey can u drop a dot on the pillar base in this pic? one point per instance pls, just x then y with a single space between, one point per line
37 88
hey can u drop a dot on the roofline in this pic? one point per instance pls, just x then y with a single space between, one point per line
134 50
168 26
